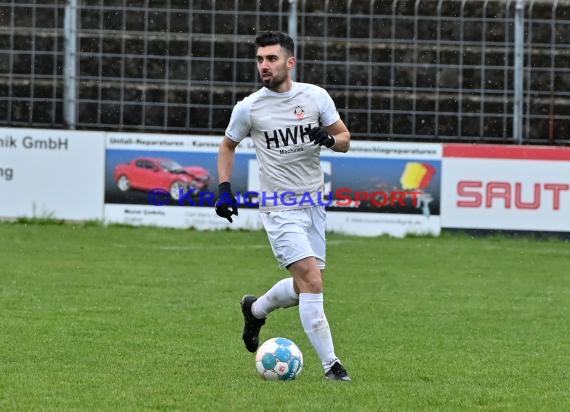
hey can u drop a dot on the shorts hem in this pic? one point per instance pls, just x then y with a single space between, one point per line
289 262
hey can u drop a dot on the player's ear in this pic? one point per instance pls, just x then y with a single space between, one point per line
291 62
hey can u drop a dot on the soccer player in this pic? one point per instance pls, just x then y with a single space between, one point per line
288 122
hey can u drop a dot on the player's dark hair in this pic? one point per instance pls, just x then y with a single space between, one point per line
271 37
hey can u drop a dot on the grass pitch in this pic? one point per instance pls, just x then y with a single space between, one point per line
136 319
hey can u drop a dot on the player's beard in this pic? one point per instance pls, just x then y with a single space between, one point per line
275 80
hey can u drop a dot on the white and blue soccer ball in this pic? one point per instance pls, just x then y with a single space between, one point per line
279 359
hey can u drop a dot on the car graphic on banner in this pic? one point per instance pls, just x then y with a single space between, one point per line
148 173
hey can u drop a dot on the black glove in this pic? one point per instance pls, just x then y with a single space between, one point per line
319 135
226 205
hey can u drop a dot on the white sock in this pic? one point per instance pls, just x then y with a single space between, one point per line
316 326
281 295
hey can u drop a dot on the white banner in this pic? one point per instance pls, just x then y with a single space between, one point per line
379 224
506 187
51 174
201 218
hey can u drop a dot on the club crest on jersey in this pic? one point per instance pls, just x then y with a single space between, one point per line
299 112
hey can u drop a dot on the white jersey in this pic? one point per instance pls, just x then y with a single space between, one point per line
289 165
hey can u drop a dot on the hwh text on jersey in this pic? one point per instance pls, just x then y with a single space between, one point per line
287 136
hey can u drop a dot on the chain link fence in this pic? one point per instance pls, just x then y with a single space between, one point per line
422 70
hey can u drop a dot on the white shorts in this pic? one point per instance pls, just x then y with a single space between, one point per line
296 234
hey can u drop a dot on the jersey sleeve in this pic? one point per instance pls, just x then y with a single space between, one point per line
327 109
239 125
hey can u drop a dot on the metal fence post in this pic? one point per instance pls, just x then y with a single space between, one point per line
70 64
518 72
293 30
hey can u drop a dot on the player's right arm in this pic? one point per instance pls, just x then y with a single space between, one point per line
237 129
226 156
226 205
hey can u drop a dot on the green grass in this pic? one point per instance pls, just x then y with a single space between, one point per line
139 319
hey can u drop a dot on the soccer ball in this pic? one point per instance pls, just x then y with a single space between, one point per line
279 359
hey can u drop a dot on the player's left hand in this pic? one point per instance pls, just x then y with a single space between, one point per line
320 136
